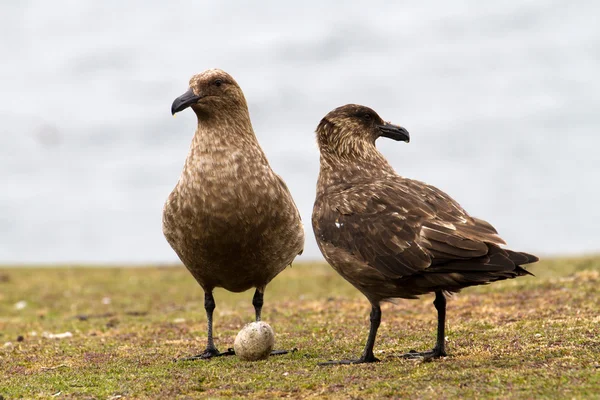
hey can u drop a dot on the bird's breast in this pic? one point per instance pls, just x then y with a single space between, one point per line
221 194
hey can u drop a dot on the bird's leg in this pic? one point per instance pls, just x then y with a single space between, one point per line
367 356
440 345
209 306
257 302
211 350
375 318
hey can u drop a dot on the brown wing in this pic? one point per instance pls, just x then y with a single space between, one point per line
402 227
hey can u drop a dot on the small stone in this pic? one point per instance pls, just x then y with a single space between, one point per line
19 305
20 338
63 335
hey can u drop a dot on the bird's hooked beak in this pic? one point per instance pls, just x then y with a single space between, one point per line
184 101
394 132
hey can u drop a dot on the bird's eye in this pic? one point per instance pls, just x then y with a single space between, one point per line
218 82
367 117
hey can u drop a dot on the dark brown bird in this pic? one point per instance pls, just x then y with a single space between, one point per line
230 219
393 237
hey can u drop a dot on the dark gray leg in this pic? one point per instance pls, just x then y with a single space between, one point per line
440 344
440 305
209 306
367 356
257 302
211 350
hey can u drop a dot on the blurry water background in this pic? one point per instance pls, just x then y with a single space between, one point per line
502 100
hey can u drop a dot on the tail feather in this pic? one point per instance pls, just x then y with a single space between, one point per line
497 265
520 258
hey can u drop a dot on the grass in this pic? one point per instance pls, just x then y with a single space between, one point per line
524 338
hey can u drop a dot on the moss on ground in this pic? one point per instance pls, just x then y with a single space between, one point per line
525 338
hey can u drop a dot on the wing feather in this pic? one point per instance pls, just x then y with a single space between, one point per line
403 227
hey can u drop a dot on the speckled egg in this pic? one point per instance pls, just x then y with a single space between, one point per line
254 342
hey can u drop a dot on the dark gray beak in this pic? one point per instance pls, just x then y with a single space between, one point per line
184 101
394 132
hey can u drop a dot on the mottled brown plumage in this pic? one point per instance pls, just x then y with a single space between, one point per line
230 219
393 237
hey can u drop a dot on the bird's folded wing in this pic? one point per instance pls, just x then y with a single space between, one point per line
403 228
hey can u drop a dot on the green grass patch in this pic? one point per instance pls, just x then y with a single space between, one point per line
532 337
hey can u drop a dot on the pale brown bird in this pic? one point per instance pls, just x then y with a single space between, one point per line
393 237
230 219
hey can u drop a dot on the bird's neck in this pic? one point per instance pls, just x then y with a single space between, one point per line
223 142
346 169
223 129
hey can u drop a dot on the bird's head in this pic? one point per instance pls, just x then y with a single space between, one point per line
352 129
211 91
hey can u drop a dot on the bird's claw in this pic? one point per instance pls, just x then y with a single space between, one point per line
208 354
280 352
362 360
